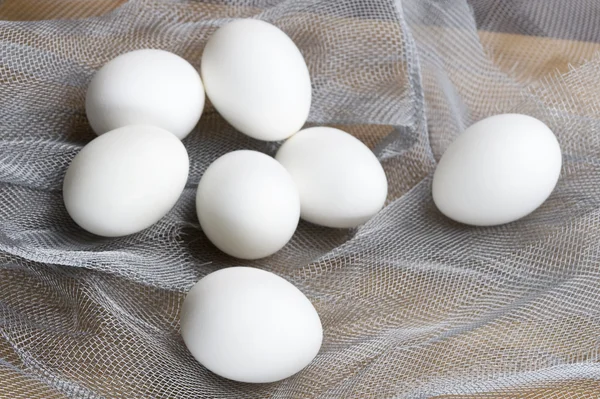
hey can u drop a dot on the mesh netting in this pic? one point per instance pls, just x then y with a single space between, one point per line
413 305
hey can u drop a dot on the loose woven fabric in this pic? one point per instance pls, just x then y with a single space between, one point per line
413 305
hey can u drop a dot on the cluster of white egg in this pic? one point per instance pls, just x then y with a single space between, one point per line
249 204
244 323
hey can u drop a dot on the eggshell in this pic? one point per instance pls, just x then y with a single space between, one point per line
257 79
247 204
125 180
150 87
250 325
341 182
499 170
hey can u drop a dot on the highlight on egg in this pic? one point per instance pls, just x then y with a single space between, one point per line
149 87
257 79
250 325
247 204
499 170
341 182
125 180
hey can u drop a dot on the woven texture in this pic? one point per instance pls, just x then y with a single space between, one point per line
413 305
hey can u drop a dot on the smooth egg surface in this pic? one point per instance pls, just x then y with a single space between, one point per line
340 181
498 170
125 180
150 87
250 325
257 79
247 204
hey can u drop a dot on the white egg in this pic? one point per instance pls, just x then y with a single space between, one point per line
125 180
247 204
499 170
149 87
250 325
257 79
341 182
